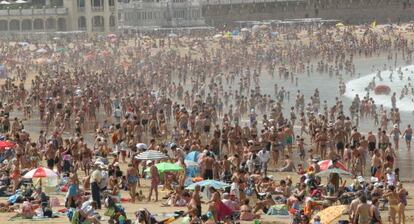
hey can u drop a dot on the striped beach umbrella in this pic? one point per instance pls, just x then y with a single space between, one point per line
151 155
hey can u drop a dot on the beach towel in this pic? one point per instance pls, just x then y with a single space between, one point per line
223 210
278 210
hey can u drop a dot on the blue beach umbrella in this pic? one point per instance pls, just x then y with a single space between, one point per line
193 156
209 183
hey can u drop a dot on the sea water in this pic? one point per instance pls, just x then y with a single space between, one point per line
393 79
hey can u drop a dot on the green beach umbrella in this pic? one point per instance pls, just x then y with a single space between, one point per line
61 50
165 167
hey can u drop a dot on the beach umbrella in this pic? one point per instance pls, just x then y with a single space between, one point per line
329 214
228 35
166 167
141 146
339 25
6 144
151 155
209 183
4 3
172 35
23 44
326 164
217 36
111 35
61 50
190 163
334 170
264 26
41 50
255 28
40 172
193 156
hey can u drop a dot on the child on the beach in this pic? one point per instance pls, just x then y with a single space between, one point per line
301 147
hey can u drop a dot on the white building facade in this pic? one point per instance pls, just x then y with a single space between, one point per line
73 15
161 13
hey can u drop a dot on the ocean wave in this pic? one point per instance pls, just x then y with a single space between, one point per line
396 83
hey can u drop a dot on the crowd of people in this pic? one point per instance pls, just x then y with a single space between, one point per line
86 107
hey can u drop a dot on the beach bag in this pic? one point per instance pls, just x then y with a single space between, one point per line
64 188
110 212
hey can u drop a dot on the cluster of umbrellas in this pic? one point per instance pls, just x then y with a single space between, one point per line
4 2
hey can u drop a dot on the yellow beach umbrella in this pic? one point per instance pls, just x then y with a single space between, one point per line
339 25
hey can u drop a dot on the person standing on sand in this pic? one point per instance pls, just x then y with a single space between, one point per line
402 193
393 202
408 134
375 212
132 178
353 207
95 180
155 180
208 162
363 215
196 200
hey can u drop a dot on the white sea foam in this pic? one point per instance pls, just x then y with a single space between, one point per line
358 86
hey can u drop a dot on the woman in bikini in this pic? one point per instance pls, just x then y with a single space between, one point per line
132 178
402 193
15 175
86 159
393 202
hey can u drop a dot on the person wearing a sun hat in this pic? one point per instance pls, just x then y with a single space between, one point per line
390 177
95 180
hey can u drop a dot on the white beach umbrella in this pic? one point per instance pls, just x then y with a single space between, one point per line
40 172
41 50
142 146
151 155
